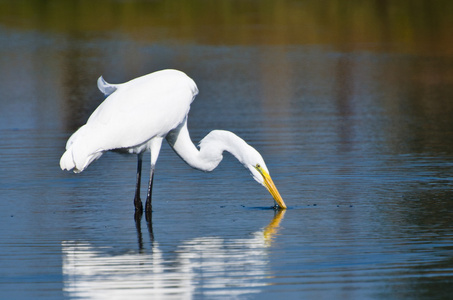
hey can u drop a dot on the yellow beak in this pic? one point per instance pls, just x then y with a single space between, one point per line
269 184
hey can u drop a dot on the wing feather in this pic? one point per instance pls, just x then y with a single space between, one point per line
136 112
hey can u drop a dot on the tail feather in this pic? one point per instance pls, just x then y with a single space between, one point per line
67 161
80 132
79 155
76 162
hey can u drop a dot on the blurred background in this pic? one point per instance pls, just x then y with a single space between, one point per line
350 103
54 51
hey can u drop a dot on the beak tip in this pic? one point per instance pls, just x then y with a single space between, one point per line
269 184
280 205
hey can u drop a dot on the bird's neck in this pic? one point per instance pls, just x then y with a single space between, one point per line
208 157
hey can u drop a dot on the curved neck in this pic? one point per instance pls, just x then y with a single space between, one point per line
211 147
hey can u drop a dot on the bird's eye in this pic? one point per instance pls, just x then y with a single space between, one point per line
258 166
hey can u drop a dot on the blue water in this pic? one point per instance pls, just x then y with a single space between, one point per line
358 144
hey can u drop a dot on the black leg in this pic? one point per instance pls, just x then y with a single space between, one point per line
137 202
148 205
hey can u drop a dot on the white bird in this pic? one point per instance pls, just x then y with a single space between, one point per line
137 115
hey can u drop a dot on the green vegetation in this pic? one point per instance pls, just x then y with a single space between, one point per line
401 25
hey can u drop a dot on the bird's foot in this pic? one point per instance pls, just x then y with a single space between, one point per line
148 206
138 204
148 209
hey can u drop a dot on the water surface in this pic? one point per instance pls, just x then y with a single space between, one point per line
353 118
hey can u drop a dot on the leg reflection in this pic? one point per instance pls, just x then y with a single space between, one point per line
138 225
149 222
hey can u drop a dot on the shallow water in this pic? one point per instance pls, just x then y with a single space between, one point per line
356 132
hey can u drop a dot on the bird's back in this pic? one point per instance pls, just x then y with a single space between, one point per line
137 111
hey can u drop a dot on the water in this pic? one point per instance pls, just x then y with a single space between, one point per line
354 123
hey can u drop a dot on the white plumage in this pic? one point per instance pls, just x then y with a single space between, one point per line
137 115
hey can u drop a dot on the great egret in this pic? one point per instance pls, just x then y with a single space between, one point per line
137 115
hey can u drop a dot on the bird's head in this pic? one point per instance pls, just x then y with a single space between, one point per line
217 141
260 173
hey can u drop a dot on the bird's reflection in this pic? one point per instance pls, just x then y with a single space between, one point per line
212 266
138 225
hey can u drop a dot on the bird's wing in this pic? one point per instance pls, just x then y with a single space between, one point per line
136 112
141 109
